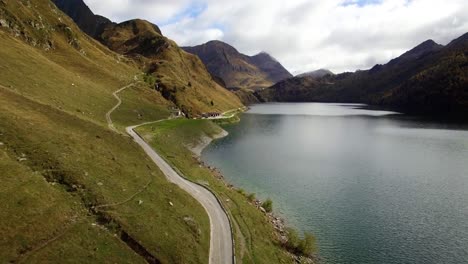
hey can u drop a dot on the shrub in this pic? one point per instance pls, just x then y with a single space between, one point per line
305 246
293 239
268 205
149 79
251 197
241 191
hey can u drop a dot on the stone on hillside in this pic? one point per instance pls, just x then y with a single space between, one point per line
4 23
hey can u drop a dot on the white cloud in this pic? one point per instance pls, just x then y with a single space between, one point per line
303 34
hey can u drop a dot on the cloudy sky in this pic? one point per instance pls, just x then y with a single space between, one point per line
304 35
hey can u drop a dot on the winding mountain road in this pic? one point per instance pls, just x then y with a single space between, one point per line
221 242
221 237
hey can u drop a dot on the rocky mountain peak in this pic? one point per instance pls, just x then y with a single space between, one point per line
417 52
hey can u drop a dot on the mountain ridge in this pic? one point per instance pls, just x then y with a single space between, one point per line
428 79
179 76
316 74
90 23
239 70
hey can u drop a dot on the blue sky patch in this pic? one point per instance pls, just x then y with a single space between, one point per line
191 11
361 3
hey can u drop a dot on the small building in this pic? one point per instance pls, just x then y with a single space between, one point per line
211 115
177 112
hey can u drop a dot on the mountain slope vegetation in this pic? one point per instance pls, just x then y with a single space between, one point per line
179 76
73 189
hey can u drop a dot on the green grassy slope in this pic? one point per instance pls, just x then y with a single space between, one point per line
255 238
97 167
73 190
60 163
75 73
140 104
56 223
181 77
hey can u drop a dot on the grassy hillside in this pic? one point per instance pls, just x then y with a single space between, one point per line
54 63
54 226
73 190
96 167
255 238
140 104
180 77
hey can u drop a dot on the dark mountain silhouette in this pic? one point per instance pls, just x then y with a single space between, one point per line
90 23
428 79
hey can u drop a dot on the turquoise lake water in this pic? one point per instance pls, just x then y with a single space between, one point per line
372 186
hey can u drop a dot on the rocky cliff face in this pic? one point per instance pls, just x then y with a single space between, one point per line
269 65
239 70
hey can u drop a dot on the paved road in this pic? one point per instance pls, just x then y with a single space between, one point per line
221 238
221 247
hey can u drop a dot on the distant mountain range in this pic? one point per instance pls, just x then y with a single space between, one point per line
428 79
316 74
237 70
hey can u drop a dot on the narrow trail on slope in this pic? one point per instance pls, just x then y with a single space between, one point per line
110 124
119 102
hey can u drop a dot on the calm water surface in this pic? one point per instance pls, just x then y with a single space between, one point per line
374 187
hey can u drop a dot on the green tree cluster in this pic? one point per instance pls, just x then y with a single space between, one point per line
305 246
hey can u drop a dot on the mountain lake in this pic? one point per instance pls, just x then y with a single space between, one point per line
372 186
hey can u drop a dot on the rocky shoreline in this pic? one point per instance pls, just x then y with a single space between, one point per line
204 141
278 223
